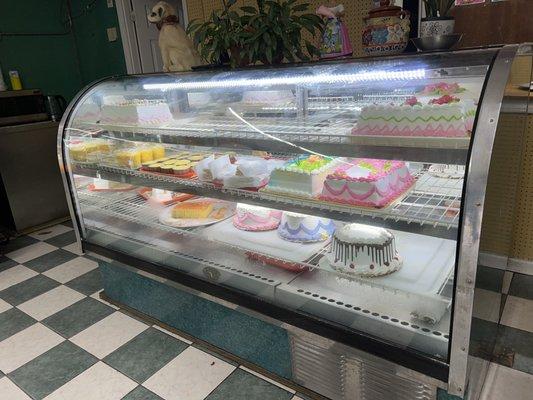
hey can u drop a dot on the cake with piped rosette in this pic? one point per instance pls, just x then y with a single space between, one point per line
446 116
305 228
367 182
363 250
254 218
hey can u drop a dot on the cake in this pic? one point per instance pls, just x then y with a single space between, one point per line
273 98
129 158
448 171
133 112
197 209
367 182
88 111
363 250
441 89
302 176
254 218
305 228
161 195
446 116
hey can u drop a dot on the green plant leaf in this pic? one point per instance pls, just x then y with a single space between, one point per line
249 10
301 7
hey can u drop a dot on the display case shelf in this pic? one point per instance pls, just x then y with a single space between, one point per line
430 208
326 134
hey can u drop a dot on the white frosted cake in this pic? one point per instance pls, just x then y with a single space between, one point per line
136 112
302 176
305 228
268 98
446 116
363 250
255 218
88 112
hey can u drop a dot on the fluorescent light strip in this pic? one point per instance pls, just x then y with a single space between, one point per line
292 80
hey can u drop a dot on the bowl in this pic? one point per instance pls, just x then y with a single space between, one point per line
437 42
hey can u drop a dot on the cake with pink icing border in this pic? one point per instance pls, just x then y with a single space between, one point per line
254 218
367 182
446 116
133 112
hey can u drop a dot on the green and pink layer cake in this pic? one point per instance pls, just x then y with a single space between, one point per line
302 176
367 182
446 116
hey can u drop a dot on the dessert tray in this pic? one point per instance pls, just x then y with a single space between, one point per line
176 197
282 253
125 187
221 211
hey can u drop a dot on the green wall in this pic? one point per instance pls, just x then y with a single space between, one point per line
51 62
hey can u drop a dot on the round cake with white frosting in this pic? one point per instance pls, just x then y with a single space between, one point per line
305 228
255 218
363 250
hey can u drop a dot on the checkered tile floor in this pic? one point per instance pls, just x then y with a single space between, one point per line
59 340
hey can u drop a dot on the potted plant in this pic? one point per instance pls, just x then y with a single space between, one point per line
220 38
273 31
437 20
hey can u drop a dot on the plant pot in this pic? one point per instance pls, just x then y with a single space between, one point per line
235 54
434 26
386 30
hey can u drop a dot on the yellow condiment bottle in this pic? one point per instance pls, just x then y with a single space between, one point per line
14 77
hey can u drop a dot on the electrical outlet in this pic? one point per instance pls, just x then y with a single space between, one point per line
112 34
109 3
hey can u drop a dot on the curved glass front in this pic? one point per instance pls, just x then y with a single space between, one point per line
333 189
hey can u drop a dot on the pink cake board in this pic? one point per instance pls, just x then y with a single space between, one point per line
264 243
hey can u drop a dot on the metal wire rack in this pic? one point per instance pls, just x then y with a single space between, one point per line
433 202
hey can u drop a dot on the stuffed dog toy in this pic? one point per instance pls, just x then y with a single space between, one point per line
177 50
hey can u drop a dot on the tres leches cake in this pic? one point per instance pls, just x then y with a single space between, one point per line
363 250
367 182
192 210
254 218
302 176
446 116
305 228
136 112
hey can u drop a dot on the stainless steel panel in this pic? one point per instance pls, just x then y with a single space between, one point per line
28 169
341 373
476 182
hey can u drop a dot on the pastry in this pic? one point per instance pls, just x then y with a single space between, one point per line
197 209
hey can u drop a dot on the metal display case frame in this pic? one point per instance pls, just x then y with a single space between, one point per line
452 375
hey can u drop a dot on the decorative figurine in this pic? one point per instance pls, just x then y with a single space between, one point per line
177 50
335 39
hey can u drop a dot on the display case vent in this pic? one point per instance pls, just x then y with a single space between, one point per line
340 373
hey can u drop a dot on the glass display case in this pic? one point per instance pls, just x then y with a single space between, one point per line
343 197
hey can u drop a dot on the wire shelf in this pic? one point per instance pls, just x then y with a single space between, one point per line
433 202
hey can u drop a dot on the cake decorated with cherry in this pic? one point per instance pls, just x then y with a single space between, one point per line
363 250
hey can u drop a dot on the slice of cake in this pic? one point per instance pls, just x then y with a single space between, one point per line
363 250
136 112
302 176
192 210
305 228
254 218
367 182
446 116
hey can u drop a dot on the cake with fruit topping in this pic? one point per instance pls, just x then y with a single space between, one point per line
445 116
254 218
367 182
305 228
302 176
363 250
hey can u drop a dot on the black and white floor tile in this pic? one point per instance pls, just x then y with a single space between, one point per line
59 340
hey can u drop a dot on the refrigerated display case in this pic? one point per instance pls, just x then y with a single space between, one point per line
343 199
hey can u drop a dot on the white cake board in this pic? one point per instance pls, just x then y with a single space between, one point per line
266 242
427 264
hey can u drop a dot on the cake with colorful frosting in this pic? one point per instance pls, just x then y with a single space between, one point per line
254 218
446 116
363 250
441 89
302 176
305 228
367 182
136 112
